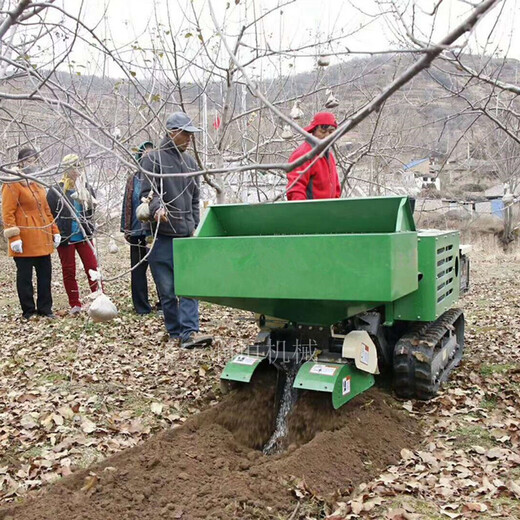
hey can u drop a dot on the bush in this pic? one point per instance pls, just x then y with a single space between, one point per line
430 192
473 187
488 224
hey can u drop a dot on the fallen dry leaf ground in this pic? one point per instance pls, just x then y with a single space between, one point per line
73 392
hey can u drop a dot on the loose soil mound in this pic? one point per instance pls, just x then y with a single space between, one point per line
212 466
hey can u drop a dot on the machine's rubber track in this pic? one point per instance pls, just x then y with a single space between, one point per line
425 356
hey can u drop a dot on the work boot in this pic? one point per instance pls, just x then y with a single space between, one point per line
195 339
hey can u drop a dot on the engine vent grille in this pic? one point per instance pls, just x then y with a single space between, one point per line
445 272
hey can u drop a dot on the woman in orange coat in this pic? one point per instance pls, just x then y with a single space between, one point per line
32 234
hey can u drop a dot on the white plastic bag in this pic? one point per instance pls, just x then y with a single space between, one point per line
142 211
287 134
112 247
332 101
296 112
102 309
324 60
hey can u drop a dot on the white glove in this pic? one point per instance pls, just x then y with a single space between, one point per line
57 240
16 246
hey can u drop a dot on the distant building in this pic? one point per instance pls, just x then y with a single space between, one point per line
495 196
425 173
499 190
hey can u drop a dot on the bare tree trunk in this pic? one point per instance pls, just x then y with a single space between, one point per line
507 235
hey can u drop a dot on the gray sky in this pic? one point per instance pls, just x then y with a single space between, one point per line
301 22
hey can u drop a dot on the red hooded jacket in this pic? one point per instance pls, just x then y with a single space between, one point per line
320 181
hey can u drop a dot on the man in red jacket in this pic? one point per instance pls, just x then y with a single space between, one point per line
317 178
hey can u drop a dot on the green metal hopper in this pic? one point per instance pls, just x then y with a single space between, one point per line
313 262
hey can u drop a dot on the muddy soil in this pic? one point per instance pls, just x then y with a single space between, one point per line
213 468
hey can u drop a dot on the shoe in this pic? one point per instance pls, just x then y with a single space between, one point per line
196 340
50 316
29 317
75 310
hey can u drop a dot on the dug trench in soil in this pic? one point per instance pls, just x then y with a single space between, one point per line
212 466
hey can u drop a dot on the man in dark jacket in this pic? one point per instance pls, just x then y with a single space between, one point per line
174 209
317 178
136 234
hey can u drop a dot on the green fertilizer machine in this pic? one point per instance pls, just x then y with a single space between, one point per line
343 289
